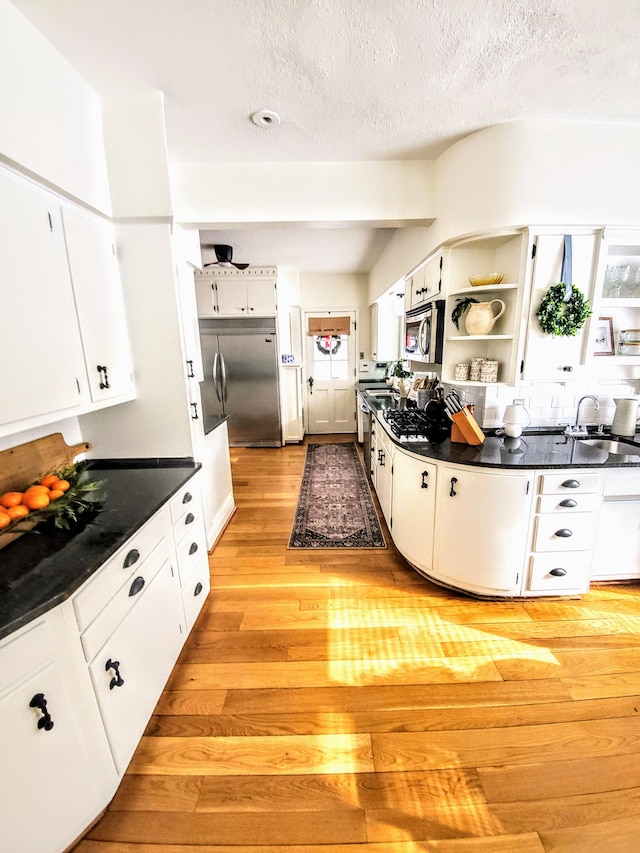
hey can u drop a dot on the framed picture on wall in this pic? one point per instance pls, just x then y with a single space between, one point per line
604 337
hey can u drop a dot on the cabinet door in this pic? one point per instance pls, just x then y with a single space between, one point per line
39 337
231 297
142 650
384 471
205 296
481 529
98 293
548 357
385 332
261 297
48 792
413 508
616 554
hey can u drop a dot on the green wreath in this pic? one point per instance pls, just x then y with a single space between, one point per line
563 318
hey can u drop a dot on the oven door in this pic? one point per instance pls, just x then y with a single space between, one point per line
425 335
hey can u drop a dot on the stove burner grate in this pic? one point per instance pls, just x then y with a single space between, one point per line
409 423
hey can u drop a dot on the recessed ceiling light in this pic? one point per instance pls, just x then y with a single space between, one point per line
265 118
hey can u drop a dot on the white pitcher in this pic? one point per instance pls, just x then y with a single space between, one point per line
625 419
480 318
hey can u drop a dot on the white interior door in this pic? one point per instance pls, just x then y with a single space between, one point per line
330 362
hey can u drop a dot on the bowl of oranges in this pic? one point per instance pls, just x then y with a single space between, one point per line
61 496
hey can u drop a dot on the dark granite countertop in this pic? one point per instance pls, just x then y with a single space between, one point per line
40 570
534 449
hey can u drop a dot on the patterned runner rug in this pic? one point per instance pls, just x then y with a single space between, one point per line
335 506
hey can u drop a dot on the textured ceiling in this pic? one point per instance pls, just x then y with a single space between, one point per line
351 79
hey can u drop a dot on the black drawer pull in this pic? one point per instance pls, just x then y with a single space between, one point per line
187 497
136 586
571 484
117 680
193 548
558 573
189 518
563 533
453 492
45 722
569 503
132 557
198 589
424 484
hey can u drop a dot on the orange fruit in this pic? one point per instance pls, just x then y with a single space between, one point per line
5 521
36 488
10 499
61 485
36 500
48 480
55 493
15 512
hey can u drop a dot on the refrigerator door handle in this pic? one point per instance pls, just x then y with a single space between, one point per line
223 375
214 376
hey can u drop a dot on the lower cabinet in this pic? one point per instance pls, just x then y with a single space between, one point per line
616 554
383 462
482 520
413 508
78 685
51 787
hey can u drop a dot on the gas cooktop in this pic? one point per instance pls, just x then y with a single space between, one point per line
407 424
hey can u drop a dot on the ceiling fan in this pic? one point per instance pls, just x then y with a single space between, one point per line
224 254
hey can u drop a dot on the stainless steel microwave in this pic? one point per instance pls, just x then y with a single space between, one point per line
424 332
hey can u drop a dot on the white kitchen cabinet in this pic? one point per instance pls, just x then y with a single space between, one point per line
383 461
617 295
558 358
616 555
292 403
565 519
190 541
95 277
50 786
385 331
504 253
413 508
40 344
481 527
236 293
426 281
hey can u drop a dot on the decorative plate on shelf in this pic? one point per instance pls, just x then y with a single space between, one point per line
486 279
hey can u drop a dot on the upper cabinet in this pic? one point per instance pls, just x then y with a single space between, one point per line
558 358
507 255
426 282
39 333
63 331
95 277
237 293
614 331
385 331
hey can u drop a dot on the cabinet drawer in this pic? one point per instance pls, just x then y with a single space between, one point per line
579 502
124 564
569 483
195 593
24 654
191 550
186 500
571 571
114 610
560 533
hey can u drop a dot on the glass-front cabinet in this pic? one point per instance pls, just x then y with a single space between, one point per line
615 324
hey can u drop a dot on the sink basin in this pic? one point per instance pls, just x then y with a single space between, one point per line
610 445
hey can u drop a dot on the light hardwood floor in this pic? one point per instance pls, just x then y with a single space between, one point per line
337 701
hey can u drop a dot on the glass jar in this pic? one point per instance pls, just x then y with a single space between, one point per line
630 336
631 348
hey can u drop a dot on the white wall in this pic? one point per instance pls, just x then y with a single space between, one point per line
214 194
50 120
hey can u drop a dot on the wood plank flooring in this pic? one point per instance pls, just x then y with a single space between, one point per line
331 702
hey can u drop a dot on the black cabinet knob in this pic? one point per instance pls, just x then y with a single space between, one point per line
132 557
136 586
45 722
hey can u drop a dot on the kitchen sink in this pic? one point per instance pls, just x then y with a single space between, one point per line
612 446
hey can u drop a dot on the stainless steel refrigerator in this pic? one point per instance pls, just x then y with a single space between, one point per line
240 360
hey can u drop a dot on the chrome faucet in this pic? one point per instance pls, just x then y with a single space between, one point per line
576 429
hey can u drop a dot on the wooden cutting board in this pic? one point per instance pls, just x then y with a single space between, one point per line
21 465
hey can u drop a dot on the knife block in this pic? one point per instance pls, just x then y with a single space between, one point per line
465 429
